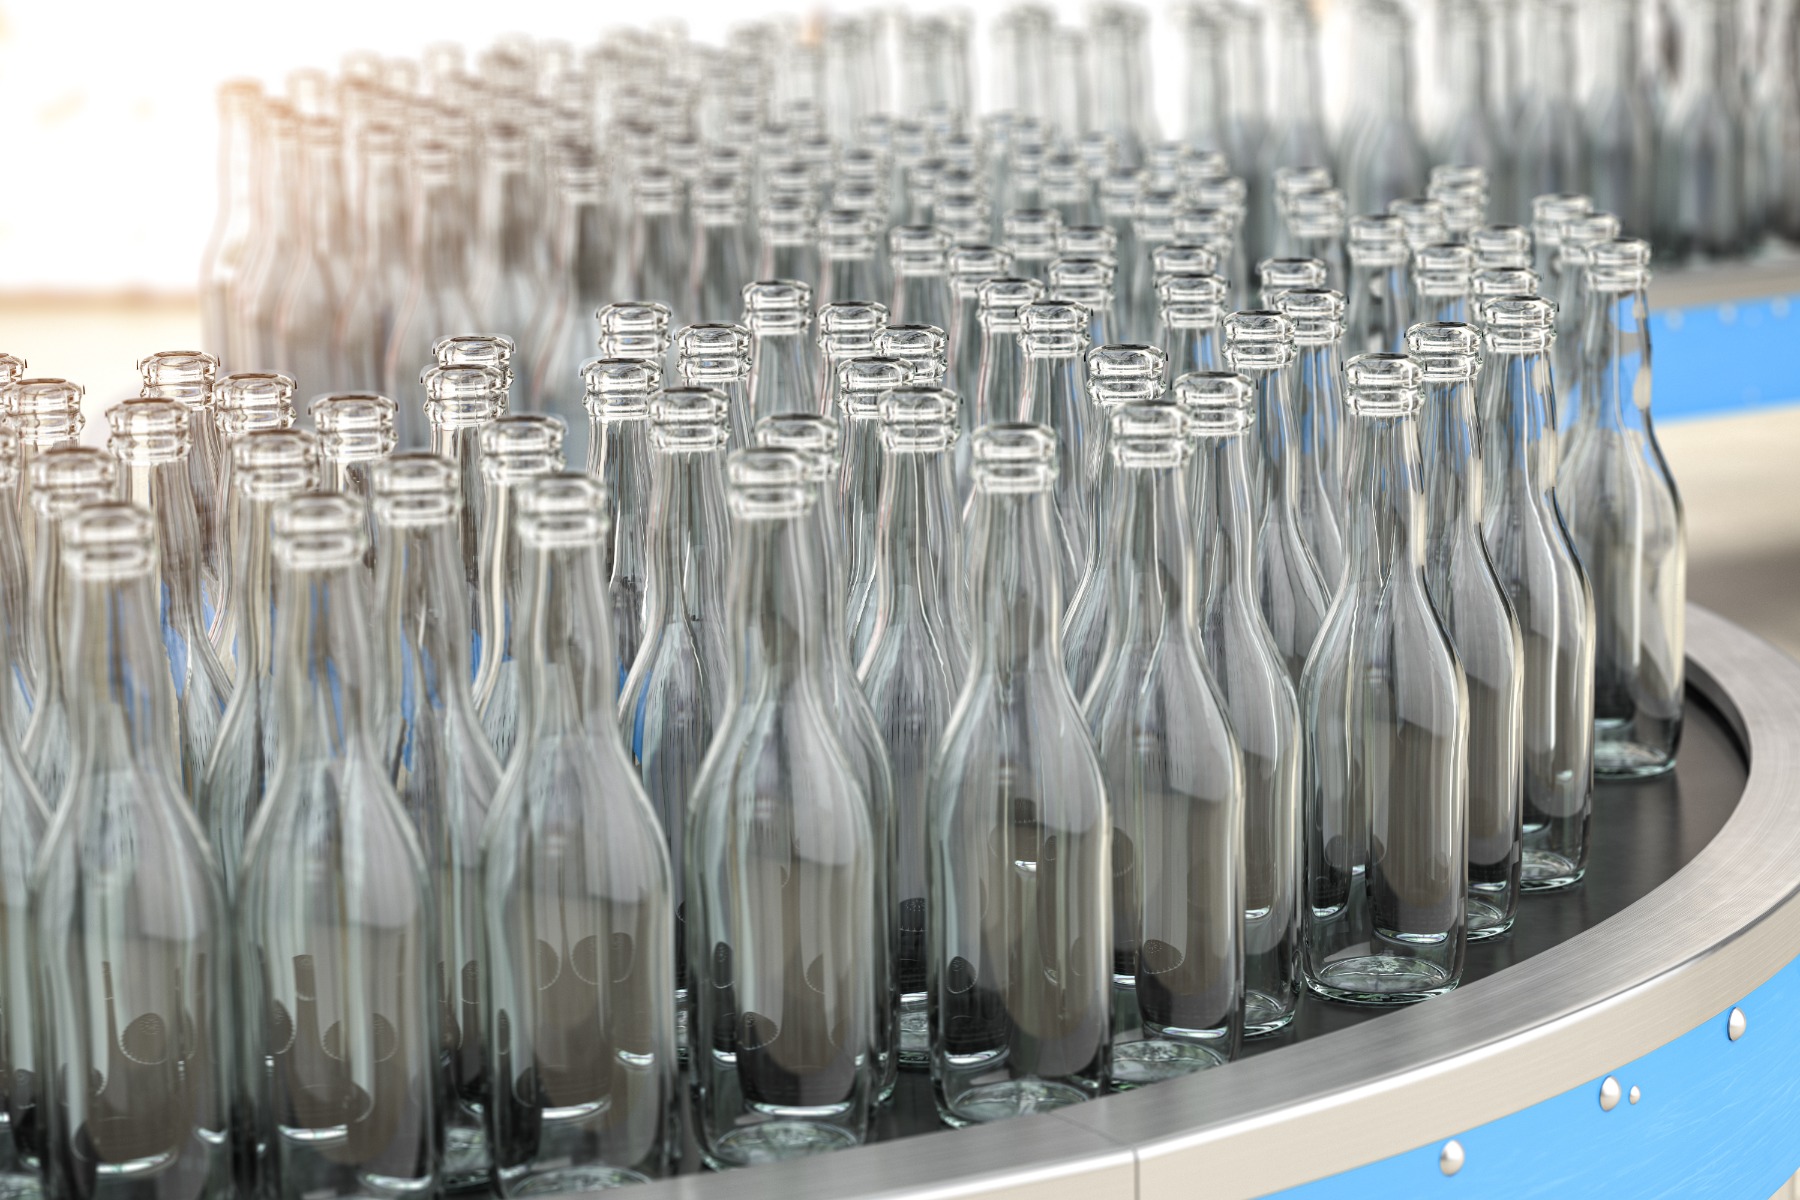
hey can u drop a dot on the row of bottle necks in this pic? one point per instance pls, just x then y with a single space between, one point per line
1499 684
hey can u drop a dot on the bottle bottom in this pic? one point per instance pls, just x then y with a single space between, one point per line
1489 916
465 1159
1266 1015
777 1141
1630 760
1153 1060
915 1033
1548 871
14 1186
1010 1098
572 1180
1381 979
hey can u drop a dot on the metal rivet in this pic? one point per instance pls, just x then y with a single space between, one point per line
1736 1023
1609 1094
1634 1095
1450 1159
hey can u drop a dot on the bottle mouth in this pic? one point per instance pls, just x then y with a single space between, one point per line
1015 478
275 448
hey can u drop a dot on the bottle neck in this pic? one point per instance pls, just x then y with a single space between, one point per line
166 489
781 371
384 213
425 608
567 675
1275 429
1615 361
1018 587
1387 506
916 546
1152 587
253 590
1616 33
323 652
1523 428
1452 460
777 603
118 688
686 535
1220 483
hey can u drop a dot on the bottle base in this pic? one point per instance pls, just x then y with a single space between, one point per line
1487 919
778 1141
1629 760
465 1159
1012 1098
571 1180
1136 1064
1380 980
20 1187
915 1038
1548 871
1266 1015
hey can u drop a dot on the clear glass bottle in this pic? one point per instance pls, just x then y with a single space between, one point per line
1278 275
430 743
1549 149
849 265
149 438
847 330
270 467
788 241
1020 902
1492 283
135 1051
1290 590
1543 578
236 424
1000 380
777 312
1217 219
919 256
336 930
637 329
1549 213
1579 236
971 267
514 449
1619 117
240 218
356 431
16 684
365 322
1625 517
1462 191
1316 396
317 286
1316 221
1471 131
188 377
674 695
925 349
1191 307
721 261
47 414
63 481
1152 225
718 357
1089 283
460 402
1379 293
254 345
1030 236
915 663
1500 246
1054 394
437 300
788 991
580 920
619 395
1476 616
1254 688
1384 708
862 382
577 285
1387 158
1173 782
1442 282
506 267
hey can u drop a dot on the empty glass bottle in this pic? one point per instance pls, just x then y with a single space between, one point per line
260 404
1254 688
253 344
317 285
1549 150
1476 616
718 356
577 885
1289 588
1054 394
1462 190
850 267
129 924
1316 221
862 382
1173 784
1579 236
1385 712
270 467
1500 246
1191 307
1549 213
375 284
1700 200
514 450
1278 275
1379 292
1089 283
188 377
15 618
1318 418
1386 158
655 265
432 747
1471 131
1020 906
47 413
576 286
919 255
461 401
782 861
619 394
1000 379
1441 282
788 241
721 262
971 266
241 218
847 330
1619 118
23 820
150 440
356 431
1625 519
924 349
437 300
777 313
636 329
335 921
1543 579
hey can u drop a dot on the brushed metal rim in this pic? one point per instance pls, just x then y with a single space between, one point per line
1684 954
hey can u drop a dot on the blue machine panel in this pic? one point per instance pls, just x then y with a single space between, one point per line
1722 358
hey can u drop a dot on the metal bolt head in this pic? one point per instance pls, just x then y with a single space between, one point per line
1736 1024
1450 1158
1634 1095
1610 1093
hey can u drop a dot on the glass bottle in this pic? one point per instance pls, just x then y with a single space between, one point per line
1500 246
254 345
240 218
1379 294
721 263
1579 236
1387 158
17 688
365 323
237 426
1054 394
1254 688
1278 275
1030 236
924 349
1316 396
1152 225
149 438
1089 283
336 929
270 467
1441 282
1020 875
619 395
356 431
1549 149
1217 219
430 744
1317 221
1549 213
1191 307
788 241
850 268
1289 587
1625 518
1476 616
460 402
971 266
919 257
23 821
1492 283
1543 578
1385 713
915 663
581 1016
514 449
1173 781
505 266
674 694
129 925
1470 133
777 312
862 382
188 377
1462 191
47 413
847 330
1000 381
576 287
317 285
657 257
437 301
788 990
63 481
1619 117
718 357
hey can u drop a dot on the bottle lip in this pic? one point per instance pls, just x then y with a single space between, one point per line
1550 211
1384 385
352 412
71 468
1287 274
274 448
1317 314
634 317
816 439
566 509
473 350
252 389
1217 403
712 340
863 381
109 541
415 473
1446 351
1619 265
44 397
1501 246
145 432
1259 338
